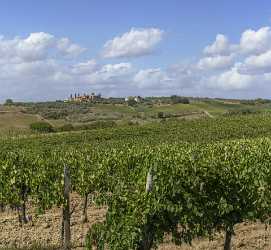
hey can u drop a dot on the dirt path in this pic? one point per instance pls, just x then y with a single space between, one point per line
40 118
208 114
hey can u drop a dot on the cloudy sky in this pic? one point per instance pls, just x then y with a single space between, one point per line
49 49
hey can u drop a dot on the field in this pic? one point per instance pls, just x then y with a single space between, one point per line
15 119
206 176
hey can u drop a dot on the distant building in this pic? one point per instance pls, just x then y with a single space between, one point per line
137 99
85 97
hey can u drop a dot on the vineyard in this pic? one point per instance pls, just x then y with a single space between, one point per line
182 180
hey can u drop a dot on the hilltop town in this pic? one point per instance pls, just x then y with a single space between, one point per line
84 97
93 97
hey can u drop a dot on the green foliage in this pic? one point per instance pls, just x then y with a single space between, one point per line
41 127
131 102
197 191
8 102
160 115
202 183
178 99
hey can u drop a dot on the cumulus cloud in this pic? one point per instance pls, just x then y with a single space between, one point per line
84 68
255 42
215 62
110 73
28 70
221 46
256 64
150 78
237 67
135 43
230 80
32 66
37 46
66 47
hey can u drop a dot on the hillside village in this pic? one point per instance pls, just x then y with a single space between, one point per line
93 97
85 97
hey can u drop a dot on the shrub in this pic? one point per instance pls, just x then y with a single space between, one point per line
131 123
9 102
42 127
178 99
131 102
160 115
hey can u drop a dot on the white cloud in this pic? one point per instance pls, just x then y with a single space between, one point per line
221 46
110 73
84 68
33 47
241 66
136 42
230 80
256 42
37 46
68 48
257 64
28 70
215 62
152 78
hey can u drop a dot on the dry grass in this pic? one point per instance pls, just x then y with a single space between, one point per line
14 121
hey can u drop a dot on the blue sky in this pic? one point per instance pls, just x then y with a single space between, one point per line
169 57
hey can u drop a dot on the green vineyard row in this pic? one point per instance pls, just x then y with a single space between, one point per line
202 183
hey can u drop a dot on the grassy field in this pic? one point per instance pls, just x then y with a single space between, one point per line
16 122
16 119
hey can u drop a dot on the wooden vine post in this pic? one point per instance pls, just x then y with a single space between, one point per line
85 209
147 241
149 181
66 229
228 236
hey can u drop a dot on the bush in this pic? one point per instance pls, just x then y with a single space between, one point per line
42 127
131 123
131 102
178 99
160 115
9 102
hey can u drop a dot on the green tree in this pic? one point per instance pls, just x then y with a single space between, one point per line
42 127
8 102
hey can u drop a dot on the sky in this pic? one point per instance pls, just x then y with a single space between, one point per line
50 49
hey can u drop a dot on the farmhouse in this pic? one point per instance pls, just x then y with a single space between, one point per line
135 98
